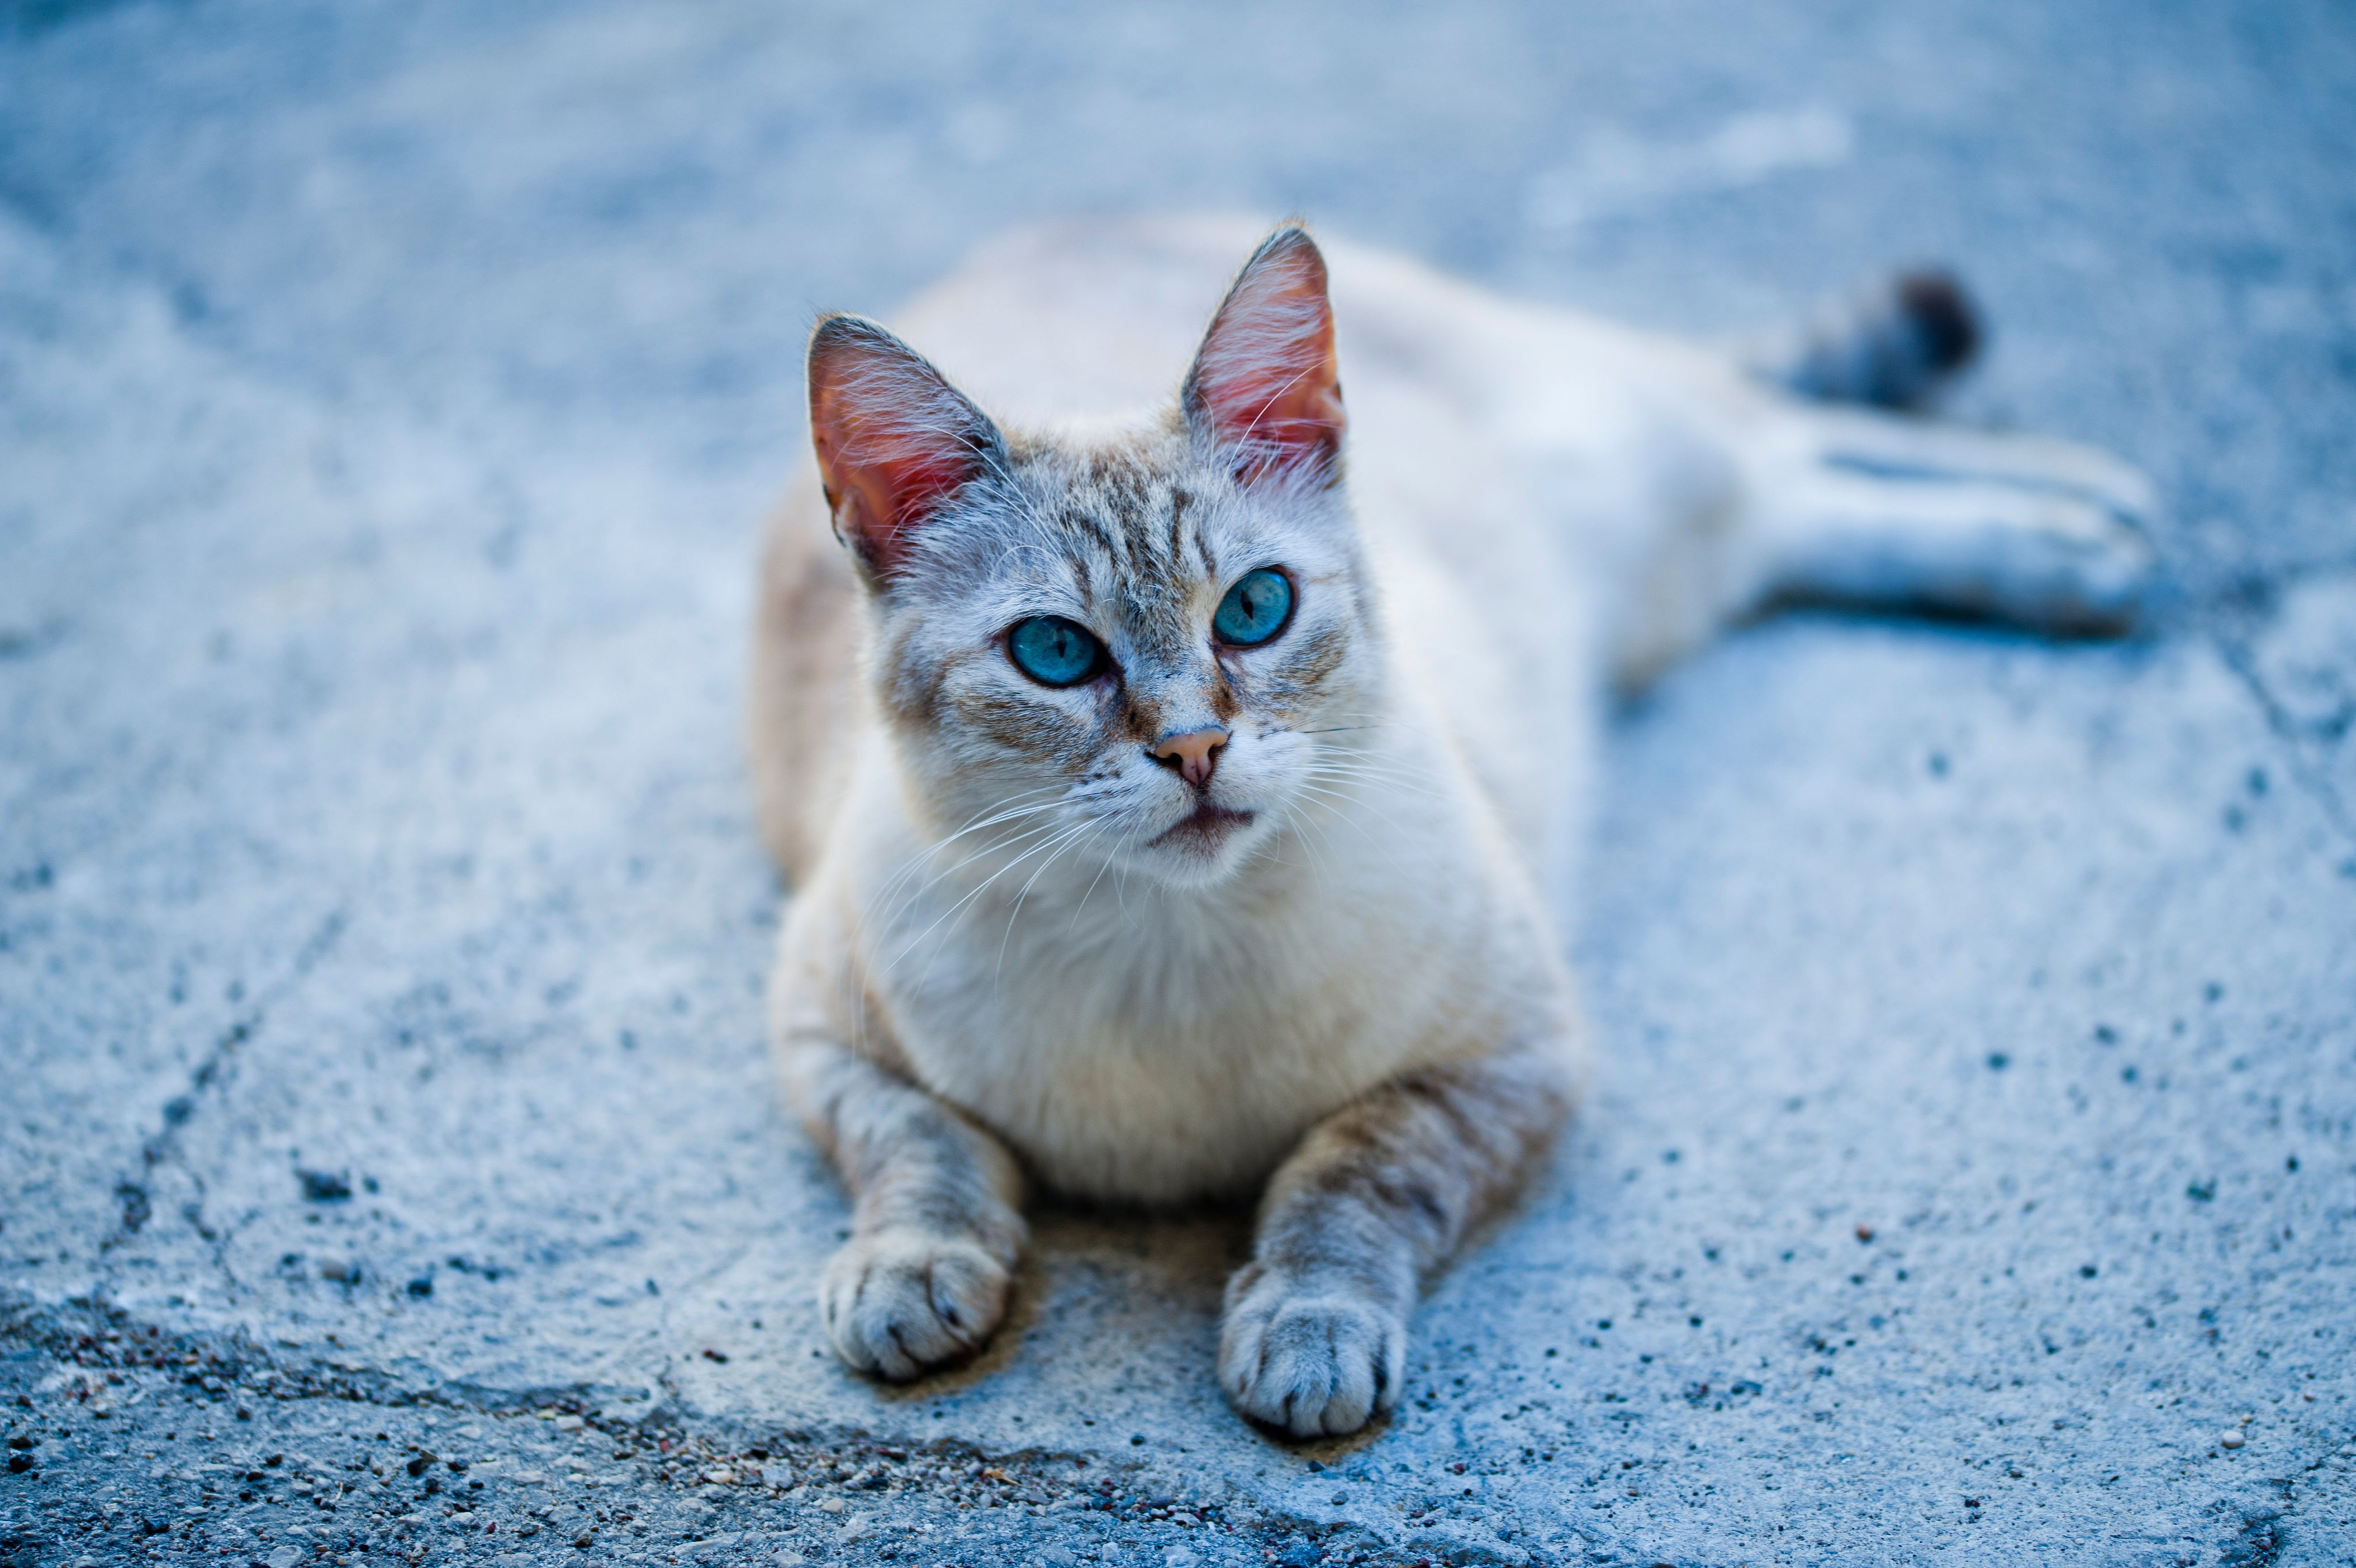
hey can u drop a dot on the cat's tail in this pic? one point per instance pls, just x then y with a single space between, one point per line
1893 344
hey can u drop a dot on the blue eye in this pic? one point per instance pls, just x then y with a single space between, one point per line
1255 609
1055 651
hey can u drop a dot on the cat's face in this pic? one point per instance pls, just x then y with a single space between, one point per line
1147 650
1063 654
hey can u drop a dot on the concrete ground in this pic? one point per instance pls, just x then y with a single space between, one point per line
389 394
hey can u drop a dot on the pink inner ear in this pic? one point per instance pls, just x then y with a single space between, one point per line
1266 382
894 439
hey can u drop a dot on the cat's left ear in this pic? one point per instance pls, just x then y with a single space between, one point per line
1266 389
895 440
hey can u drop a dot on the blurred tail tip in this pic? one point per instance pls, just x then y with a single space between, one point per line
1943 314
1893 344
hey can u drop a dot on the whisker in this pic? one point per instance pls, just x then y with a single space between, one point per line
939 877
1004 810
1101 869
1012 915
1048 842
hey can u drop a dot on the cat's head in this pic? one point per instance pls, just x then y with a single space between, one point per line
1148 649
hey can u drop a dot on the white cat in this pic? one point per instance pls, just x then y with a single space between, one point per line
1169 795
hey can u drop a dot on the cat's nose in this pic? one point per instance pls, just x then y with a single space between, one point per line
1192 756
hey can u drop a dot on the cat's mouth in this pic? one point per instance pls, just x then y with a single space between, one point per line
1203 829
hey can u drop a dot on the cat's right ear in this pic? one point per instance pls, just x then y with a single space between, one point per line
1265 388
895 441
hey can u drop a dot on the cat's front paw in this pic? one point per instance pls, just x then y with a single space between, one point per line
899 1302
1314 1357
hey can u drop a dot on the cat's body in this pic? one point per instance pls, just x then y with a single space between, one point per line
1220 915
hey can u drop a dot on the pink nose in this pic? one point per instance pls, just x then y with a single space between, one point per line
1195 754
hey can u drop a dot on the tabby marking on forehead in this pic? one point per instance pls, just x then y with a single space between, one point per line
1139 517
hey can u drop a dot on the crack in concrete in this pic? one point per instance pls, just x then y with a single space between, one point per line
679 1448
133 1195
2239 656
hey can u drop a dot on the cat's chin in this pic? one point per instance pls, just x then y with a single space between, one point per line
1204 847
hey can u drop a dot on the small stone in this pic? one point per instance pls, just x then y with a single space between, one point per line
2230 1438
719 1478
830 1504
568 1423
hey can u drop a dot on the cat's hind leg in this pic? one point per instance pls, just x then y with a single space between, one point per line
1863 441
1861 508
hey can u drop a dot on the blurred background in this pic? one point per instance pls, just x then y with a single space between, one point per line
389 394
614 222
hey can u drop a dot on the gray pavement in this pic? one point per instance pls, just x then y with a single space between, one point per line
388 396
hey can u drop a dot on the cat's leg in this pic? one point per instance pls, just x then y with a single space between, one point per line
1862 508
1903 447
936 1221
1379 1194
936 1229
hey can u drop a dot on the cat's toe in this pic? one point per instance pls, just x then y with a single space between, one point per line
2077 569
1315 1361
899 1302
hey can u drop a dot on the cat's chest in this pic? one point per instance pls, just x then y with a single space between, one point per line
1157 1062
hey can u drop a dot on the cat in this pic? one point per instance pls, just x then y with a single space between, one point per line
1174 800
